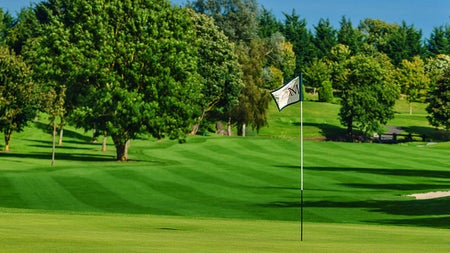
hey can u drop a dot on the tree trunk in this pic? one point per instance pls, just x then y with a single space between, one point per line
350 129
195 129
104 141
94 136
61 134
8 135
121 148
197 126
244 127
120 152
410 108
229 126
53 144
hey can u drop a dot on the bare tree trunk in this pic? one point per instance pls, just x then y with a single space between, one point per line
61 133
104 141
53 144
244 126
410 108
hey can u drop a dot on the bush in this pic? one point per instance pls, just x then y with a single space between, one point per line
326 92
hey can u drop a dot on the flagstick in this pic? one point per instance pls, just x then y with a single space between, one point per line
301 158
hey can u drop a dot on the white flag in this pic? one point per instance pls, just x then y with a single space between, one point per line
288 94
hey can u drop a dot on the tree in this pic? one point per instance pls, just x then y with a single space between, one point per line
53 105
237 18
219 67
6 21
295 31
17 94
124 75
439 41
404 44
324 38
436 67
368 99
268 24
338 57
439 102
254 99
412 79
350 36
318 72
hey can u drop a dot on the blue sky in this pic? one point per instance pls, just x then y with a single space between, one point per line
423 14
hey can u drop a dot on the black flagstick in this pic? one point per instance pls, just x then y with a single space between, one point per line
301 157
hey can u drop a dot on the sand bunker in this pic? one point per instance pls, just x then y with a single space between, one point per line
431 195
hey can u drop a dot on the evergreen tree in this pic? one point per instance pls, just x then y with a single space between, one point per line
350 36
268 24
295 31
439 41
324 38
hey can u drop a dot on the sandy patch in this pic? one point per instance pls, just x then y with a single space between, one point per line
431 195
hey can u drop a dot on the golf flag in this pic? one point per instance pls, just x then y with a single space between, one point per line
288 94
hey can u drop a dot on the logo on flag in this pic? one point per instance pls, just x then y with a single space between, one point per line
288 94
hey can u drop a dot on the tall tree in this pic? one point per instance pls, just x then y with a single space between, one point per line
237 18
439 102
254 99
439 41
404 43
295 31
368 100
412 79
324 38
17 94
350 36
219 67
268 24
127 75
6 22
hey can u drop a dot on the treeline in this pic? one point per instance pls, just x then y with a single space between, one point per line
127 67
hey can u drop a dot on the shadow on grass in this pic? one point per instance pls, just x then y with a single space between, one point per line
330 132
67 133
427 208
59 156
427 213
431 133
389 172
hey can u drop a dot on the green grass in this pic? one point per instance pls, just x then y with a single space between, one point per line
55 232
224 194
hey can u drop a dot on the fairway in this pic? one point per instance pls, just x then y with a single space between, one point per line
222 194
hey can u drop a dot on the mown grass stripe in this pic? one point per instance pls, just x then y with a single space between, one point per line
192 198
